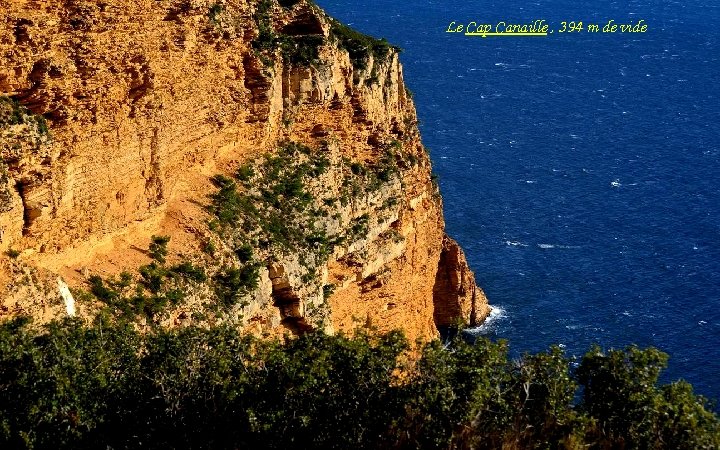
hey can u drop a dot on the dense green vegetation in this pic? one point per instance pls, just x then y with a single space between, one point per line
298 50
360 46
304 50
72 385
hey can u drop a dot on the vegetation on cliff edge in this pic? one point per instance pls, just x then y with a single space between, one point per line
105 385
304 50
20 131
151 292
13 113
273 204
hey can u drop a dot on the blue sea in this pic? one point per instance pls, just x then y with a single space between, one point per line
580 171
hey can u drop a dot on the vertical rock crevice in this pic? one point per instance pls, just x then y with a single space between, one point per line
258 85
31 211
154 188
287 301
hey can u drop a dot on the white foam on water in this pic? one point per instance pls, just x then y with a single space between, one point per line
515 244
549 246
496 314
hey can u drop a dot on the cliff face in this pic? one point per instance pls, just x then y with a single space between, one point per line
116 116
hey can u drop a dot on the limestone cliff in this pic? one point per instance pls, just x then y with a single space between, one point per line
277 149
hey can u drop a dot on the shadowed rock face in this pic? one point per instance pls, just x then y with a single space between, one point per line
147 100
288 302
456 296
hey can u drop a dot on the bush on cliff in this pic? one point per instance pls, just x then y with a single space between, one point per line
13 113
148 295
360 46
105 385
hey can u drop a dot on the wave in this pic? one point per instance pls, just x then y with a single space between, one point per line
510 243
617 183
549 246
496 314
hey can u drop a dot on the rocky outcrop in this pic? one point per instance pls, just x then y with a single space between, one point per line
147 100
457 297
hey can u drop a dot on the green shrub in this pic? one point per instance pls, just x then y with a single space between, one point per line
328 290
266 40
361 46
189 271
302 50
357 169
685 420
244 253
12 253
361 227
245 173
209 248
13 113
151 293
233 283
227 205
125 280
102 292
214 12
69 385
158 248
153 276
